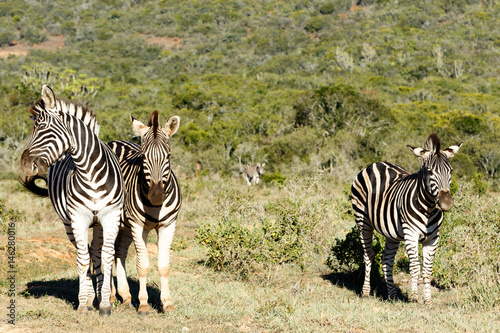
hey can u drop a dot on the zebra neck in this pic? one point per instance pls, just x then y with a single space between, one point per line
86 148
426 199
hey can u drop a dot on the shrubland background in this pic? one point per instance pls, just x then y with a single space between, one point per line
315 89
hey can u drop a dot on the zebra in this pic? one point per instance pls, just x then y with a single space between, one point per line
404 207
252 173
84 183
153 200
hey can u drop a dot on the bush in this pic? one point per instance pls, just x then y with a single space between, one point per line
239 249
347 254
480 185
6 38
315 24
333 107
274 178
326 8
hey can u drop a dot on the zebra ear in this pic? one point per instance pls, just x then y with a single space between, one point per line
172 125
419 152
452 150
139 128
48 97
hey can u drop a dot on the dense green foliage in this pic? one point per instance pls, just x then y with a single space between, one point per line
281 236
267 81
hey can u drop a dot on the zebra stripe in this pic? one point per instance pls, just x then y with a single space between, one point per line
85 186
404 207
153 201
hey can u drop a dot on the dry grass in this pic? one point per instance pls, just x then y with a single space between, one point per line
283 299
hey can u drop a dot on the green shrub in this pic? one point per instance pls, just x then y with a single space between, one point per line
315 24
239 249
347 254
326 8
6 38
274 178
480 185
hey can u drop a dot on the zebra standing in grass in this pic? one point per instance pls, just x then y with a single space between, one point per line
153 201
404 207
84 182
252 173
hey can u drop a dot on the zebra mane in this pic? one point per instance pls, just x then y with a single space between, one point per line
433 143
153 121
74 109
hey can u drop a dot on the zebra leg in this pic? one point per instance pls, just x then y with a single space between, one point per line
81 238
140 236
95 256
109 231
122 243
366 234
428 254
412 250
165 238
88 282
391 248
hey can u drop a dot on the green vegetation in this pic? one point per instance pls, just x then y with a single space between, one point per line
316 90
251 80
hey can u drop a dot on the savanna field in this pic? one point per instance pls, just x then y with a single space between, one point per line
316 90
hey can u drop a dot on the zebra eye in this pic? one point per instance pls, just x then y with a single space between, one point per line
41 126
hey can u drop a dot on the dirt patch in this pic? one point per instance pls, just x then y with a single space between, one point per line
18 49
173 43
63 250
50 240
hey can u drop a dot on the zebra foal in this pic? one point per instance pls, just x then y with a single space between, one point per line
85 185
404 207
153 201
252 173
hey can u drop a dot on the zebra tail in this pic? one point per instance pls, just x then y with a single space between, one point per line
29 183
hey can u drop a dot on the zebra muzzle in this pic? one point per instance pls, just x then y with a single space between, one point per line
156 194
31 165
445 201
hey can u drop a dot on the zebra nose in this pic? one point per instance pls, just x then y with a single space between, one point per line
445 201
156 194
28 164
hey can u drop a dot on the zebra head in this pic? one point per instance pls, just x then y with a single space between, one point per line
437 169
156 154
49 138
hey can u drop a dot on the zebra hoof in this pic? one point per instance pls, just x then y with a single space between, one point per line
105 312
128 305
90 308
83 310
143 310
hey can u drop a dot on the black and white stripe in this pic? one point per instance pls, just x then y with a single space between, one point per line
404 207
153 201
84 183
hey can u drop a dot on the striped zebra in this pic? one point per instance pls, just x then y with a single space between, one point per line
404 207
85 186
153 201
252 173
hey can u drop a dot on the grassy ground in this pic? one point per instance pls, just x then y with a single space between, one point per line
282 298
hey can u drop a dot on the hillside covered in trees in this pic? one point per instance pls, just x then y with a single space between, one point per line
300 85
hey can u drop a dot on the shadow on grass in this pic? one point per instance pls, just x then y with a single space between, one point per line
67 289
354 281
